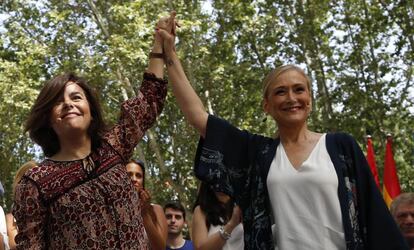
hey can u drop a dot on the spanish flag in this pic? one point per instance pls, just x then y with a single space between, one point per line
371 161
391 186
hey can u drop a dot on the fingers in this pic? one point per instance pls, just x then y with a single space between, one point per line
144 195
168 23
168 39
163 23
172 23
163 33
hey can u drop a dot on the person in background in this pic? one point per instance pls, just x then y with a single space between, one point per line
402 209
316 187
216 221
175 214
80 196
152 214
4 241
10 220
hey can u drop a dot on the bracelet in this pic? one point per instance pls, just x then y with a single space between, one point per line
225 235
156 55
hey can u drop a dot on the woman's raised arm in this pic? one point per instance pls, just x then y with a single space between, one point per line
187 99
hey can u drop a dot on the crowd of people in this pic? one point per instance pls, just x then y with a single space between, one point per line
300 190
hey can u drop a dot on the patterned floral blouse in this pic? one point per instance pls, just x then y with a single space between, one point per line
90 203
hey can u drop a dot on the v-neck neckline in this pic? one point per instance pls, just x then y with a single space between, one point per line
299 168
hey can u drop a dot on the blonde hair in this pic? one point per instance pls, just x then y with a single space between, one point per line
21 171
275 73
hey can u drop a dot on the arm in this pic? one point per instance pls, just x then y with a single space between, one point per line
187 99
4 244
31 216
381 229
156 65
11 230
155 222
201 240
140 113
1 242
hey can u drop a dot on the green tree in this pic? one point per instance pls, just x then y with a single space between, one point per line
359 55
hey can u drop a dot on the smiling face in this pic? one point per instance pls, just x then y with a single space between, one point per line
71 113
288 99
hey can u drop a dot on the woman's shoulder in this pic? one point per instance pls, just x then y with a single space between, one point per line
9 218
53 178
45 168
340 137
157 208
197 208
159 211
198 211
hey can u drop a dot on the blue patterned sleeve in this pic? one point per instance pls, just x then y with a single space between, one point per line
380 229
222 156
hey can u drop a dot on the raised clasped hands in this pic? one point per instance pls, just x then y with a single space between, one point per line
165 30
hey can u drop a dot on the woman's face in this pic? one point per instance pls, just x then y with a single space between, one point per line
136 174
71 114
288 99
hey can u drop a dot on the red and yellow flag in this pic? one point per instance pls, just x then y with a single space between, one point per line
391 186
371 161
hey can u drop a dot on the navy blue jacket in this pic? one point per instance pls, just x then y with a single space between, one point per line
237 162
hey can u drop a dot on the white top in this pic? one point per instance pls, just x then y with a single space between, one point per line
3 229
236 241
305 201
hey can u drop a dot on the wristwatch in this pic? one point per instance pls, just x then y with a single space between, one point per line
225 235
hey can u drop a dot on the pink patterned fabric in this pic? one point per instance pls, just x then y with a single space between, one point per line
90 203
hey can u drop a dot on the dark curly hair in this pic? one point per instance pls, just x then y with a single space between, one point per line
38 123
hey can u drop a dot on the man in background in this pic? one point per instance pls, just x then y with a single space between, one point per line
402 209
175 214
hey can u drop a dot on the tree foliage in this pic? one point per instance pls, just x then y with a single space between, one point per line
359 55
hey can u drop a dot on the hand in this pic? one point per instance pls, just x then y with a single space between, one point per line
168 23
145 197
165 31
236 217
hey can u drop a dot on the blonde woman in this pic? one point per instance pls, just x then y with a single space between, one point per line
315 187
